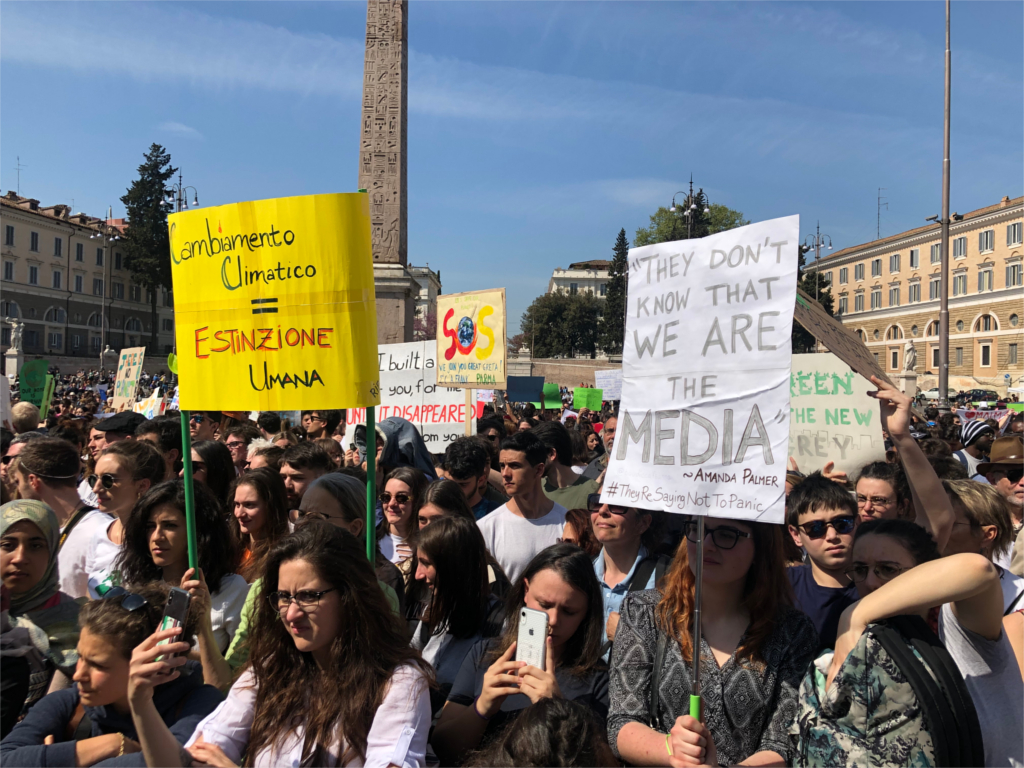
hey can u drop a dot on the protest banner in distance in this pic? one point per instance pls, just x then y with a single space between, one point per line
552 396
32 381
832 417
274 304
408 390
525 389
978 414
610 382
587 397
485 395
48 390
152 406
471 347
704 416
129 368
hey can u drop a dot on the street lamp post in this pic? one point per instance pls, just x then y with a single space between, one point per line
105 239
690 206
943 401
815 241
177 196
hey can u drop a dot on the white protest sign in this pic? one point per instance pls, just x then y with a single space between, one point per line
832 417
704 416
485 395
972 414
152 406
408 389
610 382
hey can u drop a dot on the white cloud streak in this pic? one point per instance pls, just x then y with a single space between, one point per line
180 129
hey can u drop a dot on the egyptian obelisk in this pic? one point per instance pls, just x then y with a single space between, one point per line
382 164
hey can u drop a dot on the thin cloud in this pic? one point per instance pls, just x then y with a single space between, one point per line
180 129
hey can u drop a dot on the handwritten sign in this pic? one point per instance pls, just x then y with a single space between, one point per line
274 304
977 414
32 381
704 417
586 397
471 339
610 382
152 406
409 390
129 368
831 416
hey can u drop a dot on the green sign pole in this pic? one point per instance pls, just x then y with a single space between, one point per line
190 499
371 484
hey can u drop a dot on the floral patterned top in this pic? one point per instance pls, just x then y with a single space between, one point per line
748 706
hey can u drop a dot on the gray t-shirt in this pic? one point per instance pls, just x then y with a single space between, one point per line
514 540
994 680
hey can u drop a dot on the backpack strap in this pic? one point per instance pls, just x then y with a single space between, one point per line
76 518
79 726
659 661
652 564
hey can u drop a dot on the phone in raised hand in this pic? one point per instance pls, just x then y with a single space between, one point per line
175 613
533 635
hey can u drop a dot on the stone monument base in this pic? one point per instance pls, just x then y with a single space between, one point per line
907 383
396 291
13 359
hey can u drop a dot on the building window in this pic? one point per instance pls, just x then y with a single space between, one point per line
858 302
876 267
33 275
99 257
986 355
960 247
9 235
117 261
135 293
913 293
959 326
58 246
894 359
894 297
894 263
1013 234
986 323
935 357
842 305
984 280
168 324
54 315
1014 320
876 298
932 329
604 289
986 241
96 320
55 341
827 278
1011 354
573 289
959 285
95 344
56 279
893 333
33 242
915 258
31 338
933 289
959 356
9 308
97 286
133 325
8 270
936 253
76 341
79 252
117 290
913 330
858 271
1014 273
79 284
5 335
168 298
844 275
875 355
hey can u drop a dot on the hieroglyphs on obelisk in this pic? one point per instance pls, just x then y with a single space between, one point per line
382 168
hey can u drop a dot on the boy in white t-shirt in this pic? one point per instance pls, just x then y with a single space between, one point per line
530 522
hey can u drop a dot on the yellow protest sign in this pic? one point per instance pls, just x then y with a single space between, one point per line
274 304
471 346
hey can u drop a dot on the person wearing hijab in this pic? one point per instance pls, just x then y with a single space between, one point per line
28 563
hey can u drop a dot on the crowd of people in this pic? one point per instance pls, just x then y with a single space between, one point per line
882 624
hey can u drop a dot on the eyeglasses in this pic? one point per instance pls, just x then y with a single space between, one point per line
7 460
314 417
236 444
884 571
724 536
132 602
197 419
876 501
594 505
107 480
816 529
401 498
198 466
306 599
1013 474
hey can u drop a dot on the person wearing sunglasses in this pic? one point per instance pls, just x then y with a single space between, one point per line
822 517
204 425
400 501
91 721
213 466
1005 470
754 650
332 679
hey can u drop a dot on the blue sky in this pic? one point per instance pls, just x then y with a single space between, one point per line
536 129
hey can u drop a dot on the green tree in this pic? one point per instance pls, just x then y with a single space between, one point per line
147 250
667 225
561 325
613 323
803 340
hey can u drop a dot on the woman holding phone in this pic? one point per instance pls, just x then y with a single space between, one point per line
492 686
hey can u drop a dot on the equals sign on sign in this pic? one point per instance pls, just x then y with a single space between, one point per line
258 310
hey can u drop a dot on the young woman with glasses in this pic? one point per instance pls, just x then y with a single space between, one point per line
331 681
400 500
124 472
754 649
91 722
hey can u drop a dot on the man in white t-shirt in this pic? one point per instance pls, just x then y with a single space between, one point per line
530 522
47 470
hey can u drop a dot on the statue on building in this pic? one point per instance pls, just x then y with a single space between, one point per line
909 357
17 329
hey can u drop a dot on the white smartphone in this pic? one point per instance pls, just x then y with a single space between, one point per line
533 634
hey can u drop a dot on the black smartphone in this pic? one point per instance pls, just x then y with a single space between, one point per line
175 613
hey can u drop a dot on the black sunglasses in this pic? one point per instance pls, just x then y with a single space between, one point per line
107 480
401 498
594 505
1013 474
131 602
724 536
816 529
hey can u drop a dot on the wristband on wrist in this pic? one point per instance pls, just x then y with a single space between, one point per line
477 711
668 747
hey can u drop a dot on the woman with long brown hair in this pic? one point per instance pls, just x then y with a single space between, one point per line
754 650
258 504
332 679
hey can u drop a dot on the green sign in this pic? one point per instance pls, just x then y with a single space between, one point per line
51 385
552 395
32 381
587 397
172 362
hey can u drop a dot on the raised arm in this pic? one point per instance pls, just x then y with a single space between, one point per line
932 509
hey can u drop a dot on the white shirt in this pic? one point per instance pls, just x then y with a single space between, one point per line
395 548
74 555
99 564
87 494
514 540
226 608
398 734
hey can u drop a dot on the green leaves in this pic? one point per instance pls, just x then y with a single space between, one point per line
557 324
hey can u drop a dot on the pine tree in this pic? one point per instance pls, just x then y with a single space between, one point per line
613 324
146 243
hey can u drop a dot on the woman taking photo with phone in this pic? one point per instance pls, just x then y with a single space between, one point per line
156 549
492 687
332 679
400 500
754 650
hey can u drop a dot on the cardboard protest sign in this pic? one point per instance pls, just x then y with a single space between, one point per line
32 381
129 368
704 417
831 416
485 395
5 402
471 347
610 382
973 414
524 389
152 406
1016 407
408 389
552 395
274 304
587 397
48 390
